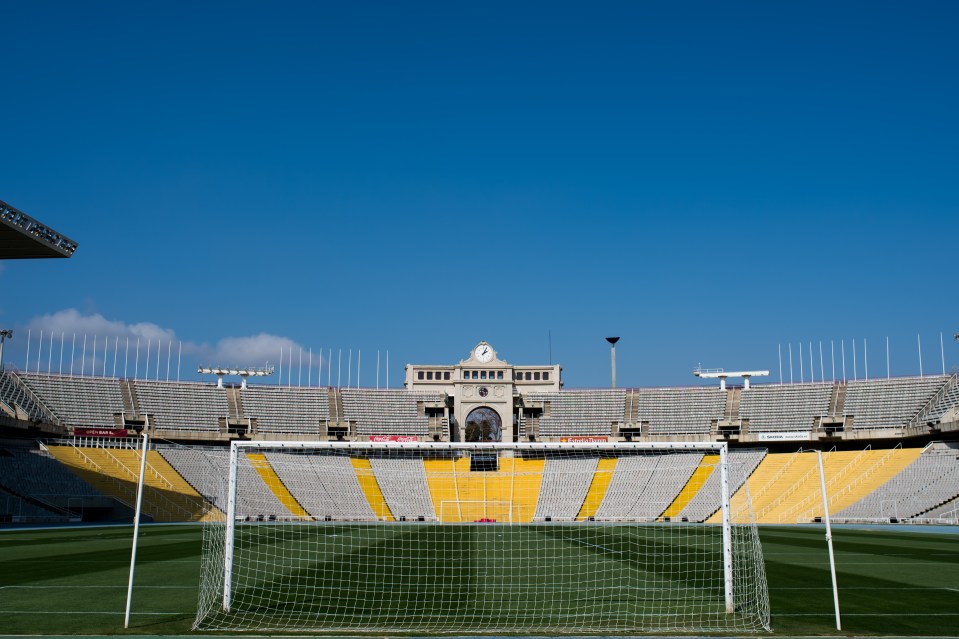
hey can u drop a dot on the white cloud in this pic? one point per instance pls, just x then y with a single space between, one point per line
252 350
255 350
70 321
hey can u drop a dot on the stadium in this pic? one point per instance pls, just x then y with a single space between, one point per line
480 497
437 320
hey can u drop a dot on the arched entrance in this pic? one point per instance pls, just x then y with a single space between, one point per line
483 424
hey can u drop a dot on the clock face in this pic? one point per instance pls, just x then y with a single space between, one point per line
483 353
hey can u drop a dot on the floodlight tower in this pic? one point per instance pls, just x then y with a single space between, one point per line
612 356
220 372
4 334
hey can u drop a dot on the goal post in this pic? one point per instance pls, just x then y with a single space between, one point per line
478 537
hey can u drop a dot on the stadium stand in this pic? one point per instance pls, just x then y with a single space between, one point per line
792 407
565 484
597 488
293 410
942 405
115 471
948 513
404 486
326 486
889 403
387 412
15 509
79 401
644 486
927 483
206 471
15 395
679 411
36 474
507 494
802 500
580 412
182 405
707 501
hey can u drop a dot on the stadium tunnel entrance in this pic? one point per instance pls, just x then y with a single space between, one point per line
483 424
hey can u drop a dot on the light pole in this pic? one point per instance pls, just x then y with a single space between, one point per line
4 334
612 355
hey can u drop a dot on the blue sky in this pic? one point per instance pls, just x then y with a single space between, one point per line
706 181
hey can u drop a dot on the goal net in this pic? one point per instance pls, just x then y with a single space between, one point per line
478 538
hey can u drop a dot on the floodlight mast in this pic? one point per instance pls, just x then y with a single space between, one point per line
719 373
612 356
4 334
221 372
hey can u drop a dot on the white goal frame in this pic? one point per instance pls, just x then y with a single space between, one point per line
720 447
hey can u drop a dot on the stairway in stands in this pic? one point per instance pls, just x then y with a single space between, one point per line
129 393
166 495
235 403
837 401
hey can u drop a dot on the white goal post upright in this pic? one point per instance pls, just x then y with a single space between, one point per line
230 527
641 562
727 528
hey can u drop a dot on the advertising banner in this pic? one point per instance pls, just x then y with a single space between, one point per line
788 435
100 432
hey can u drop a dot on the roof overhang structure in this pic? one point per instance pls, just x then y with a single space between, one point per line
22 237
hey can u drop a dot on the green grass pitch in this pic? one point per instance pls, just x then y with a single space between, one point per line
73 580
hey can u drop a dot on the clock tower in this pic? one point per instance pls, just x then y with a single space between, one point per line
483 392
483 397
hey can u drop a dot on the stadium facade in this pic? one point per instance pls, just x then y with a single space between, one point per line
891 445
484 398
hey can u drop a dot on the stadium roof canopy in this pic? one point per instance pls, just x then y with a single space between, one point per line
22 237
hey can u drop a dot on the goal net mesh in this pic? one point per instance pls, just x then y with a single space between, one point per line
452 539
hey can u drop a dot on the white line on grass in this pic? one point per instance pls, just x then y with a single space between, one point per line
843 588
86 587
863 614
83 612
107 561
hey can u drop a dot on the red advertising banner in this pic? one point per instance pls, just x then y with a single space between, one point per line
393 438
584 439
100 432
